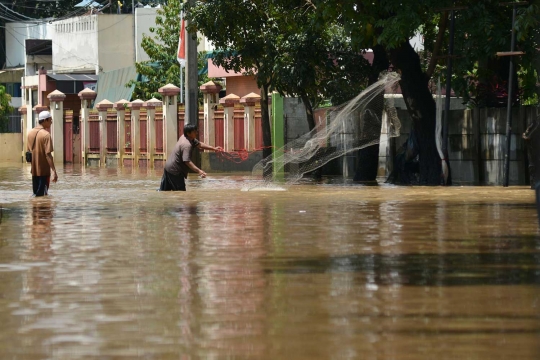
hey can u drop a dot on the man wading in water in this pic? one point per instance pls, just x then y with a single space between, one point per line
40 145
179 161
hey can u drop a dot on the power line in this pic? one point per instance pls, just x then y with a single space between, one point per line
16 13
37 22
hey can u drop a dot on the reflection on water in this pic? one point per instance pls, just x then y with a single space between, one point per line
109 268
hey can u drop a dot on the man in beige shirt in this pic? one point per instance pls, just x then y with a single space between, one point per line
40 144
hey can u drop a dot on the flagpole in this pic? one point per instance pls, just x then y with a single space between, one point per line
181 85
181 55
180 63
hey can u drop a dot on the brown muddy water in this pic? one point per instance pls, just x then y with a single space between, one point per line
109 268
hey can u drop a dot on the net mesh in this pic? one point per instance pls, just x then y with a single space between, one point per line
351 126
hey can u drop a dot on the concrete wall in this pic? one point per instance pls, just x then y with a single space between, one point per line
477 144
10 147
75 44
16 34
115 41
295 119
144 20
16 102
93 43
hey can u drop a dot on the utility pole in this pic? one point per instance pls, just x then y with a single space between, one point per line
192 77
449 65
511 53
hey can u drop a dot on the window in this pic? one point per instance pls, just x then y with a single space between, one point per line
13 89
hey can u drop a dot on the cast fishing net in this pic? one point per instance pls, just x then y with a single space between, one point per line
351 126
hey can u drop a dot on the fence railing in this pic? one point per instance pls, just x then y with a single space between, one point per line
143 130
219 123
112 132
158 120
127 131
94 146
239 139
13 123
68 135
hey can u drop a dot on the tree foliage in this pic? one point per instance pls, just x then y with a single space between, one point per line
43 9
163 67
482 29
277 42
5 108
317 63
287 44
243 33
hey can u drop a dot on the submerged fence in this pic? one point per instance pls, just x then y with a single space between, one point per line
143 133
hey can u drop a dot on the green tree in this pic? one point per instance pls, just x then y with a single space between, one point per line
5 109
316 63
482 30
243 34
276 42
391 24
163 67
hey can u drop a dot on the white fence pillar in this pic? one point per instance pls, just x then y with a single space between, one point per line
150 106
249 102
170 118
102 107
228 103
135 107
87 96
210 92
120 107
56 99
23 110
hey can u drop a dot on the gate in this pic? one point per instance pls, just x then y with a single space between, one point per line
200 125
127 129
95 138
219 126
239 142
112 131
158 121
143 131
68 136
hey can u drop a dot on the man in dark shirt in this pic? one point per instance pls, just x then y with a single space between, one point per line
179 161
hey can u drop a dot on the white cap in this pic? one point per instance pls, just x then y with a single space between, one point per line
44 115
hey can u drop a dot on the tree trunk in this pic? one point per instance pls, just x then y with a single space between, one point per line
421 107
309 110
368 157
532 142
537 65
317 173
265 119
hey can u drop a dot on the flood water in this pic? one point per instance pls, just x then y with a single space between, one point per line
109 268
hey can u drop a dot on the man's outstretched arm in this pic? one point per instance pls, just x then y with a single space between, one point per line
193 167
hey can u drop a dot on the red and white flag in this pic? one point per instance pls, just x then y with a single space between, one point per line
181 53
